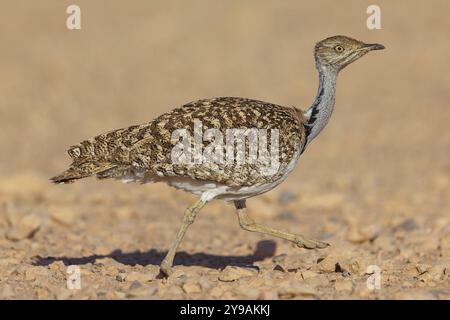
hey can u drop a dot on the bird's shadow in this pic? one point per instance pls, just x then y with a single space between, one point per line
264 249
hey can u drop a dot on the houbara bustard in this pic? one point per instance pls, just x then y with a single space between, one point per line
152 152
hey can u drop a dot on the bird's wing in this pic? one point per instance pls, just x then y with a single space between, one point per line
146 150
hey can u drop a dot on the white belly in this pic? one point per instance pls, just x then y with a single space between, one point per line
221 191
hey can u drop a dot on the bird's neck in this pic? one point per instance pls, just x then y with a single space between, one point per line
320 111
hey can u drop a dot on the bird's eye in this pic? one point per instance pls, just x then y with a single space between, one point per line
339 48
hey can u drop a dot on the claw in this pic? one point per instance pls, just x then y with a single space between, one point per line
311 244
165 270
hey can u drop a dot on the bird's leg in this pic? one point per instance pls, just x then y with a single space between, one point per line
188 219
249 224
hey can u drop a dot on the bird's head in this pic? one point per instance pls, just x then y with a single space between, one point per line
337 52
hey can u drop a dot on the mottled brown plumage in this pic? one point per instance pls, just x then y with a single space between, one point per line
147 148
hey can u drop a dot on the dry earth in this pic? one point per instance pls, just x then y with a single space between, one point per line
375 184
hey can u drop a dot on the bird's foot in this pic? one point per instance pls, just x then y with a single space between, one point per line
165 269
303 242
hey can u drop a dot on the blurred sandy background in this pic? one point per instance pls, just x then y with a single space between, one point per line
377 179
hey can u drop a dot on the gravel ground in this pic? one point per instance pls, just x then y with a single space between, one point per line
375 184
118 238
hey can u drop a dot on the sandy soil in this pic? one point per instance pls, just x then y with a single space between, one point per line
375 184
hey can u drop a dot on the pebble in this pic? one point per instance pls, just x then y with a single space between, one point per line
328 264
44 294
346 261
232 273
121 277
205 283
64 216
135 285
25 228
192 287
407 225
318 280
308 274
216 292
433 274
137 290
174 292
360 235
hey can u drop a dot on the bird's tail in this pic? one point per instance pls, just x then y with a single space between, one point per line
67 176
83 166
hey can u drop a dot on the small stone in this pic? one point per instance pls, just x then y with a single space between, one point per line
279 258
57 265
320 280
121 277
307 274
42 294
216 292
433 274
329 263
151 271
407 225
205 283
135 285
343 285
350 266
174 291
152 289
137 290
192 287
64 216
25 228
231 273
360 235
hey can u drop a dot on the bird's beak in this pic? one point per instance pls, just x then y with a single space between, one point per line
373 46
